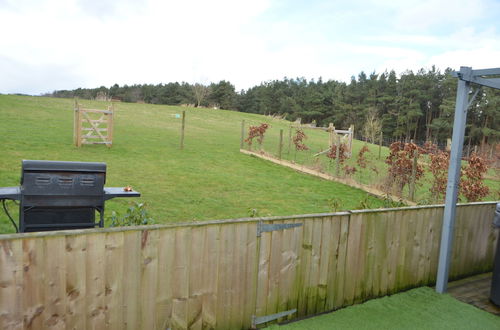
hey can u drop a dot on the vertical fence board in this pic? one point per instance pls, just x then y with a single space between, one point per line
55 288
149 278
249 290
324 266
263 274
394 250
341 271
10 284
313 285
352 258
274 270
132 279
332 274
370 276
95 281
76 286
211 256
113 280
196 264
166 240
305 256
180 278
33 284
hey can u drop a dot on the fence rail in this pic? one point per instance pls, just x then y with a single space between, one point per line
226 274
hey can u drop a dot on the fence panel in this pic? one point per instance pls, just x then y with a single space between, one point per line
220 274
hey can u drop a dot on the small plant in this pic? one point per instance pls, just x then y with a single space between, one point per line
362 161
256 132
253 213
401 161
364 203
135 215
334 204
440 161
298 139
472 184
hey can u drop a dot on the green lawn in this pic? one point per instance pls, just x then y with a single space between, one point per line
420 308
209 179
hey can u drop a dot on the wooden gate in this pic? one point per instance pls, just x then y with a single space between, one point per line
93 126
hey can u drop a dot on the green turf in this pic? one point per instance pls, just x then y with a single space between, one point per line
209 179
420 308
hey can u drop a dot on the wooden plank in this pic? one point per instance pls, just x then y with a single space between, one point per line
314 269
132 279
394 226
180 290
324 263
290 296
196 266
305 273
274 270
331 289
402 272
149 278
289 252
239 294
55 285
211 257
166 240
11 273
76 286
95 281
33 286
114 260
370 277
263 274
352 260
252 262
360 285
340 279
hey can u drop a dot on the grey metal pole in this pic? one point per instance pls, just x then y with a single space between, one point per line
453 178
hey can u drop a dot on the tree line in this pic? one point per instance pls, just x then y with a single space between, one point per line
415 106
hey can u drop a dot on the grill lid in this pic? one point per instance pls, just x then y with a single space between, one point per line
49 165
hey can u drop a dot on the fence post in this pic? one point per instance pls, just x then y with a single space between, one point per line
413 175
242 133
182 128
289 139
380 145
338 156
281 144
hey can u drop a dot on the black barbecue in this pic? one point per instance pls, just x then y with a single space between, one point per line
58 195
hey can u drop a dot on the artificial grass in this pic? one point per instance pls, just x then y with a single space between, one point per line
420 308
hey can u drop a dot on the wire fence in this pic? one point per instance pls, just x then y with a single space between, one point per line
365 162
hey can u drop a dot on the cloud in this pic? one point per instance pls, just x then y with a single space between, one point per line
77 43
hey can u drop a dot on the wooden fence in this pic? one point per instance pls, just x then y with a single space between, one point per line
228 274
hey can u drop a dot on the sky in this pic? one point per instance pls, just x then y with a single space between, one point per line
48 45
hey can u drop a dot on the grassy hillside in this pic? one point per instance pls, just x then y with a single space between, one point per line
209 179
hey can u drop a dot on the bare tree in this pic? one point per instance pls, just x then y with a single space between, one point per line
200 93
373 126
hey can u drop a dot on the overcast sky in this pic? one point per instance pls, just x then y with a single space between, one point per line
48 45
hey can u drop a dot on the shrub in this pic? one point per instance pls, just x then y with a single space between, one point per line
135 215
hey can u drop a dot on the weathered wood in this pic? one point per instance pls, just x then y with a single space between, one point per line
83 116
218 274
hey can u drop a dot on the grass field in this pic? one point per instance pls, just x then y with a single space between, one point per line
317 140
209 179
420 308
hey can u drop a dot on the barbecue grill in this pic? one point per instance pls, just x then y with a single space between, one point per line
56 195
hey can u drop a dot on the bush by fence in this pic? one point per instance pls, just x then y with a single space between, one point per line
226 274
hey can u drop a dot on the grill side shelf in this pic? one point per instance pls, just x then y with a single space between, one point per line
112 192
13 193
